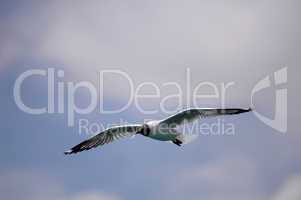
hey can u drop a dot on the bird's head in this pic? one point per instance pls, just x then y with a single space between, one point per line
144 130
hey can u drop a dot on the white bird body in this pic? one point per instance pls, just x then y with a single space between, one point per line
162 130
161 133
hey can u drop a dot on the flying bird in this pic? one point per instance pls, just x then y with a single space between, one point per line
163 130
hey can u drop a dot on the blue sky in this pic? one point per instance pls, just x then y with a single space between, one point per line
154 41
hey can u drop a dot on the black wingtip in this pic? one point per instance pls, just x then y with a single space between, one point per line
234 111
246 110
68 152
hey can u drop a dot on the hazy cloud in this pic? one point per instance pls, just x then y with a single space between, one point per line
29 185
290 189
230 177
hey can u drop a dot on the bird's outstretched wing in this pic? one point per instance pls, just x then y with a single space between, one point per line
190 115
105 137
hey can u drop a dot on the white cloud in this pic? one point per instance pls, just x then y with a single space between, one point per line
228 178
224 178
28 185
290 190
93 196
153 41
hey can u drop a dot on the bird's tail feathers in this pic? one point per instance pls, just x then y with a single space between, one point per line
187 138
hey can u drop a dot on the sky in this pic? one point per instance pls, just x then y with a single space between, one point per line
163 42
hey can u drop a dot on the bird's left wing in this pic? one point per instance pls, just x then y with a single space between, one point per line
190 115
105 137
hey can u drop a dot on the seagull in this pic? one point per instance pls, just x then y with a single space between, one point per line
163 130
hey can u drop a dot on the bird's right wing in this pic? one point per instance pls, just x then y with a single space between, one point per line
190 115
105 137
